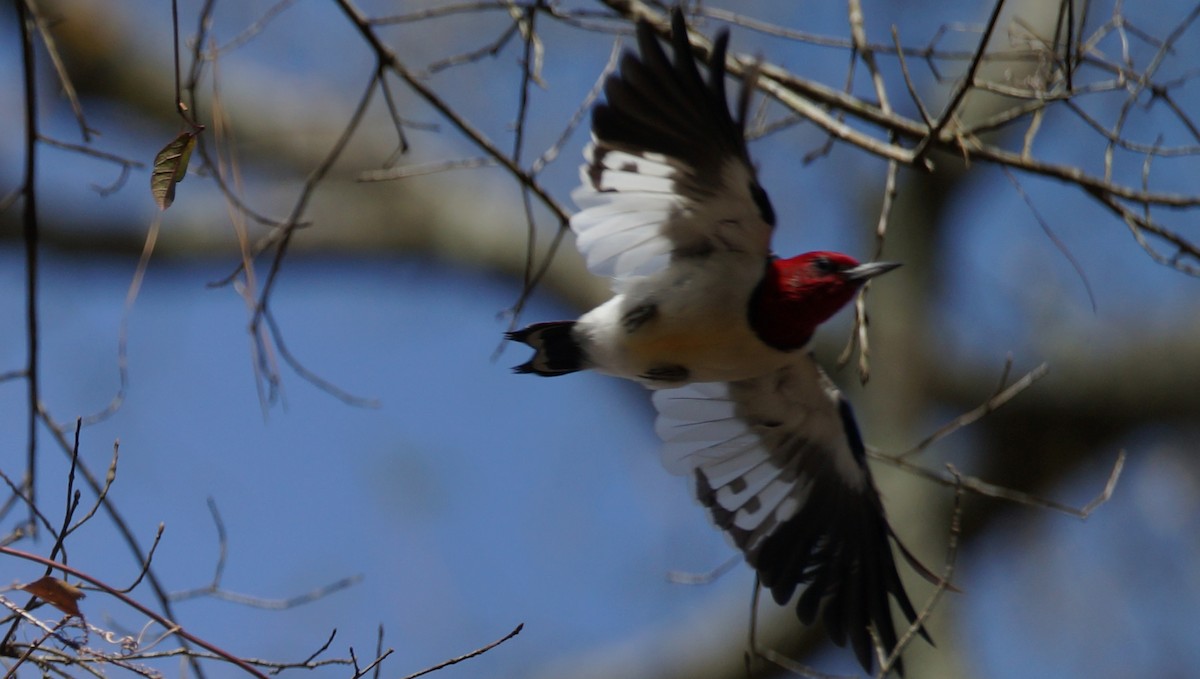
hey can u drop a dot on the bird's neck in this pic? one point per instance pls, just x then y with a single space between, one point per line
785 311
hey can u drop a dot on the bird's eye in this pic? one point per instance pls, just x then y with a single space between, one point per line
824 265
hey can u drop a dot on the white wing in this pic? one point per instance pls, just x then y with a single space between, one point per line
668 173
779 463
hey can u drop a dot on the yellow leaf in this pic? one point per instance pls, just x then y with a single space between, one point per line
57 593
170 167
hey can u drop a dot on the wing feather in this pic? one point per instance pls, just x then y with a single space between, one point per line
780 465
665 146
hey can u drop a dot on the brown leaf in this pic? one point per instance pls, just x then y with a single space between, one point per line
170 167
57 593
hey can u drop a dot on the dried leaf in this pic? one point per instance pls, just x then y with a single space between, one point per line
57 593
170 167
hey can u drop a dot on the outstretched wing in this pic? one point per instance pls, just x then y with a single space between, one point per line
667 172
780 465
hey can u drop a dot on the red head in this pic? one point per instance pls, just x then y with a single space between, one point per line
799 293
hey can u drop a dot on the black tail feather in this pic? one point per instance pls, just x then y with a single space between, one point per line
556 351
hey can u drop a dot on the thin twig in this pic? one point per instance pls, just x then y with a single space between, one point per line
551 153
20 491
215 591
451 9
967 83
72 499
1002 395
310 376
397 122
1143 80
324 647
858 333
980 487
468 656
109 477
407 171
374 666
60 69
388 58
275 667
89 151
212 592
379 652
489 50
222 541
255 28
261 310
131 295
527 76
908 81
1058 243
945 582
1137 224
145 569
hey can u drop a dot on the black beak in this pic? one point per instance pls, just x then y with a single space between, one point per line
865 272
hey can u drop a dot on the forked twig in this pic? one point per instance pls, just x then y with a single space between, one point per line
967 83
1002 395
980 487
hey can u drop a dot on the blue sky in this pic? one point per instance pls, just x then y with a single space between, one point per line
472 499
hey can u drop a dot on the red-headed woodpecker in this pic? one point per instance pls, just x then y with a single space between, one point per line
706 316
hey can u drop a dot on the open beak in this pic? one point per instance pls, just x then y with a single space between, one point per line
865 272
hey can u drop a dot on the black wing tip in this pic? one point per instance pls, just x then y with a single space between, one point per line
682 46
686 60
659 103
679 34
845 570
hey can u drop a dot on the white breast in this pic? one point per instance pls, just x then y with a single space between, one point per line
699 322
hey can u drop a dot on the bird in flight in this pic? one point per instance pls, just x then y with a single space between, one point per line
704 314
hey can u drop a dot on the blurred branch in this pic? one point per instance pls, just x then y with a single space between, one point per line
1002 395
965 85
945 582
214 589
981 487
858 333
126 164
284 235
166 624
1092 72
29 235
257 27
60 70
131 295
388 59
